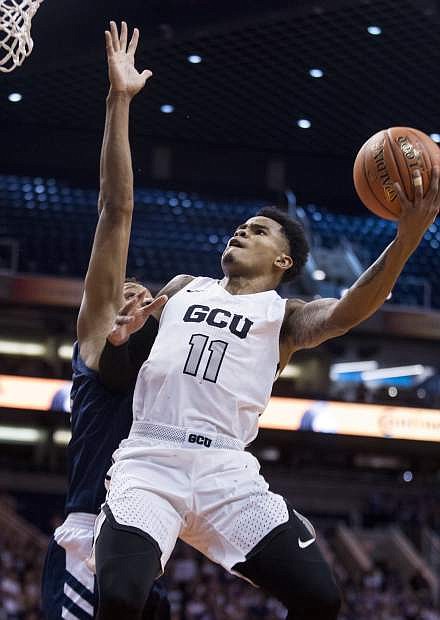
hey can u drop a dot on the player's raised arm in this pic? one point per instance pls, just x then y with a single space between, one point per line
105 275
309 324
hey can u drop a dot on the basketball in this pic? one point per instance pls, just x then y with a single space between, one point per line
390 156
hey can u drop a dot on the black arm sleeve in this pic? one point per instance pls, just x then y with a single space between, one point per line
119 366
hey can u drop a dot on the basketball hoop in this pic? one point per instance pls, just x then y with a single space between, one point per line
15 32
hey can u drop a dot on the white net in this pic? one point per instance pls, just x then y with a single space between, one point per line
15 31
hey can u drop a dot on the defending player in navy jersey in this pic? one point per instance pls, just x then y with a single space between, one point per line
183 471
101 418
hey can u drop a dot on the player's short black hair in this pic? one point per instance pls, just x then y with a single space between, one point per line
296 237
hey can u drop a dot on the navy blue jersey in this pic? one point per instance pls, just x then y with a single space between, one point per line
100 420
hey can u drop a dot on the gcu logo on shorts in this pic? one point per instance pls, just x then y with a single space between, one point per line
199 439
238 325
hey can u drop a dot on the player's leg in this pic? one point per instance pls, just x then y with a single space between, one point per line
52 584
288 565
68 584
157 606
127 563
254 533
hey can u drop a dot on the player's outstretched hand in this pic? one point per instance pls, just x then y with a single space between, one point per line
124 78
133 316
418 215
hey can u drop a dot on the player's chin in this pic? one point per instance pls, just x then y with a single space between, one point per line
228 255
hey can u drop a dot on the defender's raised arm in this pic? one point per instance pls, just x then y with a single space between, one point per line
105 276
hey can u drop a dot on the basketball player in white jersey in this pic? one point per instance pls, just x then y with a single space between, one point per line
183 471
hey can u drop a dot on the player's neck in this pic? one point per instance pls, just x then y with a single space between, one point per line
241 285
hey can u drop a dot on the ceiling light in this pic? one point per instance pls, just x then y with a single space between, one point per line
15 97
194 59
397 371
291 371
167 108
350 371
21 434
304 123
319 274
65 351
316 73
12 347
62 437
435 137
408 476
374 30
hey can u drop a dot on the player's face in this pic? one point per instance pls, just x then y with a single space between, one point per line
133 288
256 248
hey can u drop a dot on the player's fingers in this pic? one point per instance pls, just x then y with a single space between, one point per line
131 303
434 188
123 37
123 320
146 74
115 37
418 187
132 46
146 301
155 305
404 202
108 43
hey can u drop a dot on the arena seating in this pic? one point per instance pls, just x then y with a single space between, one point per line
22 549
54 223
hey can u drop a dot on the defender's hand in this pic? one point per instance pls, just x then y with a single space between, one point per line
133 316
418 215
124 78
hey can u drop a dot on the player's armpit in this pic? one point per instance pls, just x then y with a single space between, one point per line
308 324
174 286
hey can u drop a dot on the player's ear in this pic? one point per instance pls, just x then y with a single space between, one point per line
283 262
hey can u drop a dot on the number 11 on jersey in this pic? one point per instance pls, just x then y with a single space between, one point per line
217 350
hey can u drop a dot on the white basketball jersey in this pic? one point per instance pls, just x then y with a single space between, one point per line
214 361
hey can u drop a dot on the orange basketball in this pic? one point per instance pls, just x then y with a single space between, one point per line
392 155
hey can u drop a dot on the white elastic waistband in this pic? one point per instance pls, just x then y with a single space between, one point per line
84 520
187 437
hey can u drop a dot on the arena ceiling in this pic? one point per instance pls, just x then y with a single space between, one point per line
244 99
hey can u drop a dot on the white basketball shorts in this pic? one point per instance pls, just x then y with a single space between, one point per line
213 499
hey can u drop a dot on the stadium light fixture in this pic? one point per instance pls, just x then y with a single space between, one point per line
14 347
61 437
15 97
397 371
291 371
21 434
65 351
319 274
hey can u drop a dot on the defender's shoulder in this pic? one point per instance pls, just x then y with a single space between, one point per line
176 284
